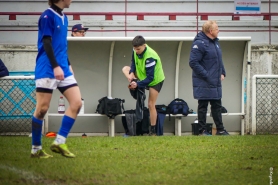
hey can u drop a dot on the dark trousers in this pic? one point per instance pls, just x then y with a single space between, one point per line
215 111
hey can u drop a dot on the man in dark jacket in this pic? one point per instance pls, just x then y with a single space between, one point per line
208 72
3 69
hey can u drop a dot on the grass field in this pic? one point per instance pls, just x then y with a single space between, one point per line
168 160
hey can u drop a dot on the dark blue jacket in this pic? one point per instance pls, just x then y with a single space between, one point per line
207 68
3 69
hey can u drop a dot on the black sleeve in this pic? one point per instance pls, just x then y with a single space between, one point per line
132 66
49 51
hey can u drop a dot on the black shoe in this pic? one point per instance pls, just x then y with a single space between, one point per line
222 132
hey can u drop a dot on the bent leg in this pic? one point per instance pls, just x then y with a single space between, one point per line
43 101
129 77
126 70
73 96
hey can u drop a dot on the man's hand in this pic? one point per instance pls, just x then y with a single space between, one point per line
222 77
59 73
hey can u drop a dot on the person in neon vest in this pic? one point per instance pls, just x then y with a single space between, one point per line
146 67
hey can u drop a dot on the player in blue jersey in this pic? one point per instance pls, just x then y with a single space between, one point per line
53 70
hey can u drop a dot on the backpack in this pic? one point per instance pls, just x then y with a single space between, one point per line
178 106
110 107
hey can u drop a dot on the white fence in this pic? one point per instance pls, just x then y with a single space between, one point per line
265 104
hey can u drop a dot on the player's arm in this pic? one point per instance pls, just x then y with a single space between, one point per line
132 68
132 65
47 45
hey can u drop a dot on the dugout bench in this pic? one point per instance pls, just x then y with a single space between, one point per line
178 117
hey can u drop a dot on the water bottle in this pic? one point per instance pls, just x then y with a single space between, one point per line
82 108
61 105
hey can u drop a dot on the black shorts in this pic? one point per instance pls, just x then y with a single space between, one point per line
157 87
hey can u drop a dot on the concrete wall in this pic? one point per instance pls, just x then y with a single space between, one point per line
24 28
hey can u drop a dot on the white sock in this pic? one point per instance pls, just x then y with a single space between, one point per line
60 140
35 148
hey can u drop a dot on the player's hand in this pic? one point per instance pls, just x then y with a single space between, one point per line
59 73
133 85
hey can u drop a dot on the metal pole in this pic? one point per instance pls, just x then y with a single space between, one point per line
125 15
269 21
110 69
248 99
177 70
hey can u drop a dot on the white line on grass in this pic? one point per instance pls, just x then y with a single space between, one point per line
29 176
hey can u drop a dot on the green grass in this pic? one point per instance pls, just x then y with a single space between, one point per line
168 160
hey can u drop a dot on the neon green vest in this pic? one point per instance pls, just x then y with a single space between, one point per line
140 64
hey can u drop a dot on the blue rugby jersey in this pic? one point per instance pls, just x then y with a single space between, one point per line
54 25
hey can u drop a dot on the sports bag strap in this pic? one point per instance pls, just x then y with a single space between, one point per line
122 100
178 99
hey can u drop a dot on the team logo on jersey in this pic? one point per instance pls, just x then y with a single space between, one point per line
217 45
58 26
45 16
150 63
195 46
